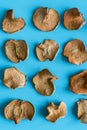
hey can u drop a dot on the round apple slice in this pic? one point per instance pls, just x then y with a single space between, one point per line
46 19
76 52
74 46
73 19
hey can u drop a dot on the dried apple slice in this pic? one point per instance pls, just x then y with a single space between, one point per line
13 78
46 19
48 50
18 110
16 50
73 46
11 24
75 51
73 19
78 57
44 82
82 111
78 83
56 112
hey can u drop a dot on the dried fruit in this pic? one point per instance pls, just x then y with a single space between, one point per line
82 110
73 19
46 19
44 82
73 46
48 50
18 110
11 24
78 83
13 78
16 50
78 57
75 51
56 112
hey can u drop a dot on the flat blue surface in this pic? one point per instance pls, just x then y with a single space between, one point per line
60 66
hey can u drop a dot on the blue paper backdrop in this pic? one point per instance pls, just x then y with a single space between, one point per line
60 66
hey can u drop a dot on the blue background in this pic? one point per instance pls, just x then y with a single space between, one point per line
60 66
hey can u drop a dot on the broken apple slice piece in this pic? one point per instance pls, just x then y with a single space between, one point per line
11 24
18 110
73 19
16 50
56 112
44 82
82 110
76 52
78 83
46 19
48 50
13 78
